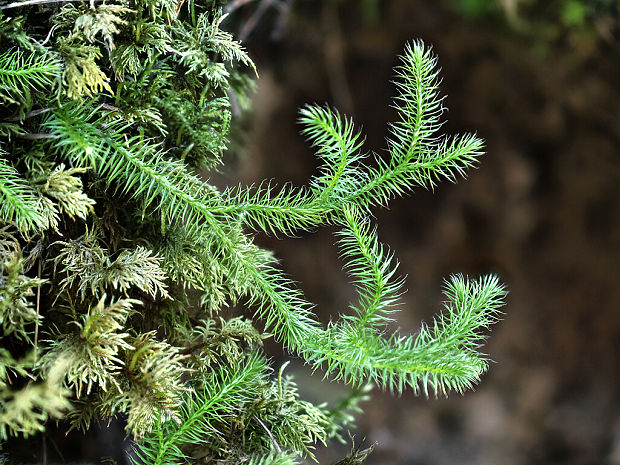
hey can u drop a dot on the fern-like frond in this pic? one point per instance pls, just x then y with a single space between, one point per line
223 43
273 458
11 367
439 359
20 74
13 30
214 341
150 385
419 156
148 388
187 268
282 420
25 411
19 203
128 58
272 209
167 9
9 245
65 187
89 267
82 76
373 270
217 402
101 20
17 307
343 414
197 129
93 349
337 143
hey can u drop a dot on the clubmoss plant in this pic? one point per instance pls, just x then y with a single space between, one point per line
118 260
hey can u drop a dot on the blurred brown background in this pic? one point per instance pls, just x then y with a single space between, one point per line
542 210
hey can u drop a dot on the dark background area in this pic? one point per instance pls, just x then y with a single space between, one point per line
542 211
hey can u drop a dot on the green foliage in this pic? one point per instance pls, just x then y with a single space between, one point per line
100 22
204 411
290 423
16 289
87 266
273 458
18 201
574 13
548 20
65 187
212 342
93 347
25 411
20 74
118 261
150 385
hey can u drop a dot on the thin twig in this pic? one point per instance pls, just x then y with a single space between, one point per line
36 321
235 107
30 114
44 449
35 2
284 5
49 35
109 107
251 23
179 6
284 8
236 4
36 136
56 448
275 443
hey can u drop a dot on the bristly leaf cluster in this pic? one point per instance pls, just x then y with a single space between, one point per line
118 260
